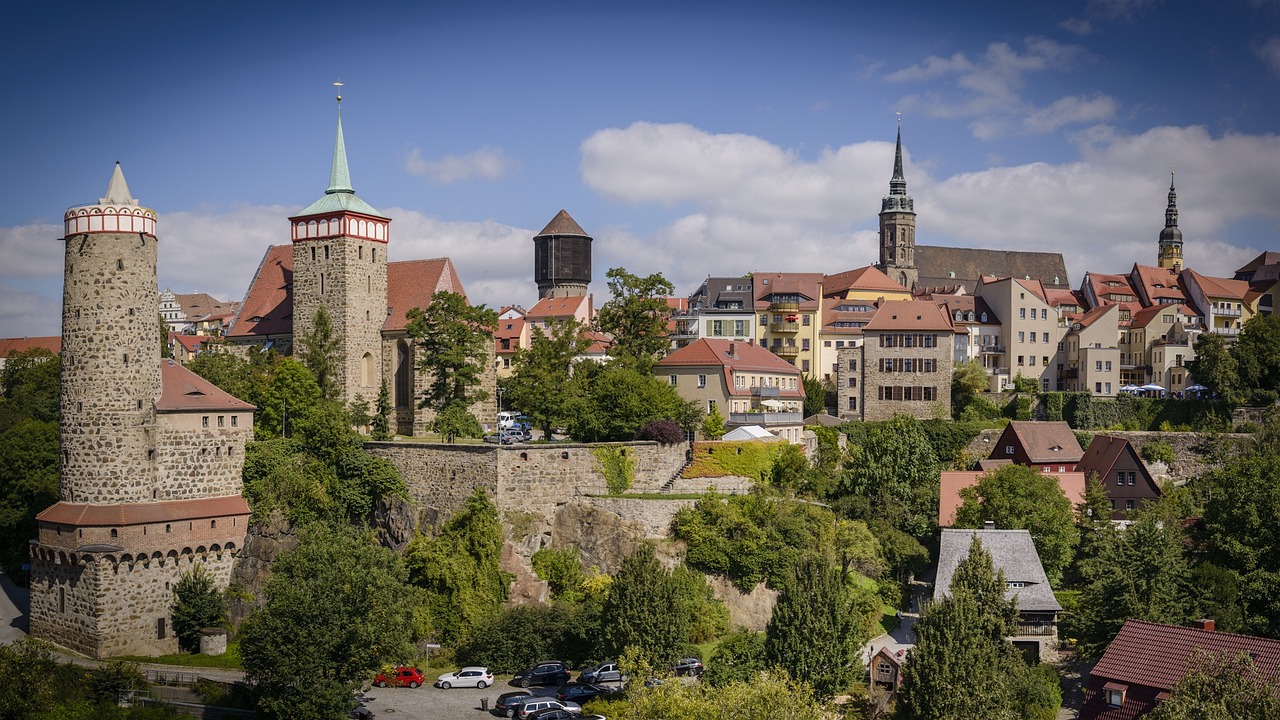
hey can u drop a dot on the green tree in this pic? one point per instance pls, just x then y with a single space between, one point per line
1215 367
968 380
31 382
337 608
1142 573
1097 531
617 400
542 383
460 569
739 657
636 316
815 631
291 393
815 395
456 421
1257 353
165 350
245 378
562 569
452 337
197 604
708 618
381 426
977 576
1017 497
320 351
643 611
713 427
1221 688
28 484
893 474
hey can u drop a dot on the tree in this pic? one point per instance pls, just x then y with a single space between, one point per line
1257 353
337 609
319 350
636 317
643 611
246 378
28 484
456 421
616 400
815 632
452 338
542 383
1215 367
713 427
1097 532
977 576
1221 688
460 569
291 393
197 605
381 426
739 657
815 395
893 474
165 350
31 383
1017 497
967 380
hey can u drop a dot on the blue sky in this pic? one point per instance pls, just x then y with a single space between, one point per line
690 139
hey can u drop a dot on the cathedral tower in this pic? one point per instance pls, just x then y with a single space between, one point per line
1170 256
110 349
340 264
898 227
562 258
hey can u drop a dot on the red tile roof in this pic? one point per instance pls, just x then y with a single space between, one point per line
183 390
411 283
509 329
807 285
1216 287
120 514
191 343
953 481
1149 657
559 307
715 352
910 315
1157 283
52 343
863 278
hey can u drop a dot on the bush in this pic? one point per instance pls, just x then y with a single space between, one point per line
1158 451
738 658
524 635
743 458
619 468
197 604
666 432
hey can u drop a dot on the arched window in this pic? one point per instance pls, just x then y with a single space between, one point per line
404 375
366 370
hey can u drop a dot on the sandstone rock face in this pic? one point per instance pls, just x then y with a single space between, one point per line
394 519
263 545
748 610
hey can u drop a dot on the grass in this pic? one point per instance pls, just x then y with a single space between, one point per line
230 659
655 496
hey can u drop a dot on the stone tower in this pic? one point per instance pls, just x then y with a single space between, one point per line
151 453
340 264
898 227
562 258
1170 256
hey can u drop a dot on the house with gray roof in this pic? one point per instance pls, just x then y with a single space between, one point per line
1014 554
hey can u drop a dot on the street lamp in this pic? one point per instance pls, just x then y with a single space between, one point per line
499 398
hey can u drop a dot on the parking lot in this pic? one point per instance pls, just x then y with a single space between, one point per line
432 703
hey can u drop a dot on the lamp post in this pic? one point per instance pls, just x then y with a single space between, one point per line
499 398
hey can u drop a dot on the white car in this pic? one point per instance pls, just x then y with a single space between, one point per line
476 677
542 703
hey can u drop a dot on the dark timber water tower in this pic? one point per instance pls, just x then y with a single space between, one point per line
562 258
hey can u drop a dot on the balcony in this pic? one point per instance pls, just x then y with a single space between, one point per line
1226 312
993 350
784 327
766 419
1227 331
1068 374
765 391
1184 342
1035 630
784 307
786 351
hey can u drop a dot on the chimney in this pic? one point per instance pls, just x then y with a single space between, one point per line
989 525
733 350
1203 624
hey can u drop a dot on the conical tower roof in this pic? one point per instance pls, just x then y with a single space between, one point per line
562 224
117 190
340 197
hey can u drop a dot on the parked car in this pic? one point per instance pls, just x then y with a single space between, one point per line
509 436
533 705
400 677
548 672
688 666
510 699
581 692
477 677
604 672
559 714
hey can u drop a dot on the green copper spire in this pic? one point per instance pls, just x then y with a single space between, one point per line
339 176
340 197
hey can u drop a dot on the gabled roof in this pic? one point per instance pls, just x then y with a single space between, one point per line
267 309
1057 297
921 315
949 266
1045 442
121 514
953 481
863 278
1092 316
1102 454
714 352
1266 258
52 343
557 307
1145 316
1216 287
182 390
1157 655
807 285
511 329
191 343
411 283
562 224
1011 551
1157 283
198 305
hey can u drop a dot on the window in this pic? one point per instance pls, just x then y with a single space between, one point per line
1120 478
1020 360
373 254
702 381
1033 337
1008 449
204 421
1022 313
1108 388
1044 385
1097 365
1046 338
717 328
1022 336
805 321
1133 477
1044 313
222 421
1097 388
853 382
1128 504
1108 366
160 629
804 344
764 319
804 364
1015 584
711 406
671 379
1115 694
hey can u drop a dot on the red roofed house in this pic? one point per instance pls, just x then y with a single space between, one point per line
903 366
52 343
184 348
789 310
1146 660
1121 471
1046 446
1222 302
1091 352
338 261
510 335
745 382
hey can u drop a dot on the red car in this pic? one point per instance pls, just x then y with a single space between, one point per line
400 677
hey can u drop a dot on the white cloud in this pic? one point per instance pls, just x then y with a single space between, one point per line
988 89
1077 26
1269 53
28 314
487 163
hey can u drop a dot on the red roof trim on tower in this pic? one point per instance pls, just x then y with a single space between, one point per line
121 514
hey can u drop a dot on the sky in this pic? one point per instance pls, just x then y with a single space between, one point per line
687 138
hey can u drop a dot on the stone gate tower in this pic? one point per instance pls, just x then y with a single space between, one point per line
562 258
898 227
340 264
151 453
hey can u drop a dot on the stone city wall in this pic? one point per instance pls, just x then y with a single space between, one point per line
196 462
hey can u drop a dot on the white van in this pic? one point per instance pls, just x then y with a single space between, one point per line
507 419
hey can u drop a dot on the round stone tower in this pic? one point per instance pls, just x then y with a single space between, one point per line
110 350
562 258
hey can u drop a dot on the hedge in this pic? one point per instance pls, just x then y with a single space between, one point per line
1083 411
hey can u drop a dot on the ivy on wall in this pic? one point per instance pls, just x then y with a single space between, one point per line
619 467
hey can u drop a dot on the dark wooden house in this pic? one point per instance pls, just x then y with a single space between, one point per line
1121 471
1045 446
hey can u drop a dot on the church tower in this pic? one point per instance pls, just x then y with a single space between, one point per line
898 227
562 258
340 264
1170 256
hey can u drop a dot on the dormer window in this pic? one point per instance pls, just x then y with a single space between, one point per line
1115 693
